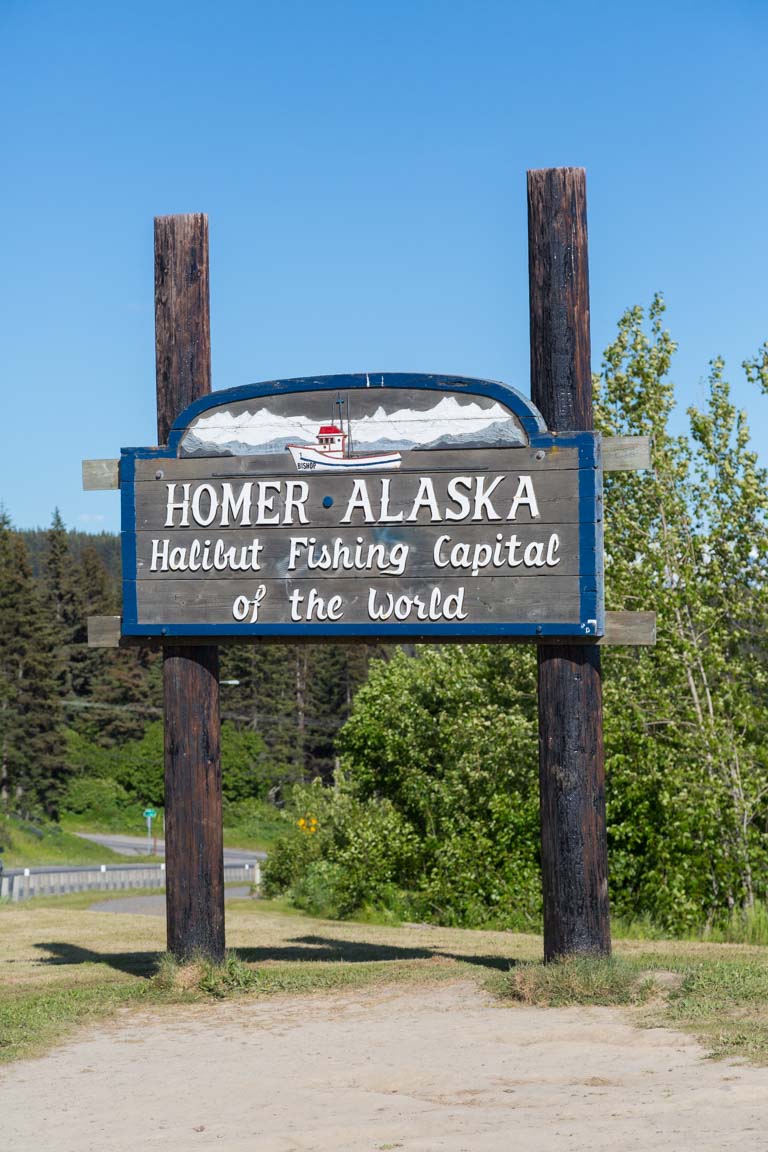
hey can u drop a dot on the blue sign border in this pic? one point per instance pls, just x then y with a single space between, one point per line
591 625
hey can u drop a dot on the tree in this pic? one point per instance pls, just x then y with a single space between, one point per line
32 759
448 738
685 721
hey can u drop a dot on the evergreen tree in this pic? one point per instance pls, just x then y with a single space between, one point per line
125 696
63 597
87 665
32 755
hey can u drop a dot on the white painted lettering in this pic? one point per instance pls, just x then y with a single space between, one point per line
159 556
425 498
296 493
458 498
201 518
237 506
266 503
483 507
385 516
180 505
524 495
359 500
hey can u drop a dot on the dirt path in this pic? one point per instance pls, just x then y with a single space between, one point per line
428 1069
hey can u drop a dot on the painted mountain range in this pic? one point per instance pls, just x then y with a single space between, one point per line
449 423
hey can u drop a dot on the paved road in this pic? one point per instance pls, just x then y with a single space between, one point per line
137 846
155 905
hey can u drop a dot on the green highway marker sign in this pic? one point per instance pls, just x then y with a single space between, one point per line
150 813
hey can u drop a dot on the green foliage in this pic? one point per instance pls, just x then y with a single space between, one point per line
339 853
251 822
89 796
436 811
137 766
686 763
297 697
32 767
245 770
448 738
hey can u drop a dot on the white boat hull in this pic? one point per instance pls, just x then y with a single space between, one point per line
308 459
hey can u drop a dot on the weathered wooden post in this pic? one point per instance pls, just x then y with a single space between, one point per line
571 767
193 814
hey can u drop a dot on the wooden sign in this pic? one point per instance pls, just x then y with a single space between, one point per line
371 506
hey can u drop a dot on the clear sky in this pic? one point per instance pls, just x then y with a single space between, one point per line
363 168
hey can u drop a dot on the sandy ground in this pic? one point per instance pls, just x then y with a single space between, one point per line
423 1069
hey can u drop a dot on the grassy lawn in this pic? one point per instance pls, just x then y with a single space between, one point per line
27 846
62 965
30 846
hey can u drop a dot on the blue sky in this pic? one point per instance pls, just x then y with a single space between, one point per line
363 168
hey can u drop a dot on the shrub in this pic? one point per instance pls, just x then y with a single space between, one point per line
95 797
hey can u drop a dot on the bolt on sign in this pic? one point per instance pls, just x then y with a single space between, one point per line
371 506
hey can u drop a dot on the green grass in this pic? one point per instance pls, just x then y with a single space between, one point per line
725 1003
30 1023
741 927
577 981
129 823
253 826
29 845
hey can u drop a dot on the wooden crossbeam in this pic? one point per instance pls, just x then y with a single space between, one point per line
100 475
620 454
626 453
630 628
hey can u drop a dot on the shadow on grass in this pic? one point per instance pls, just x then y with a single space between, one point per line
132 963
302 949
354 952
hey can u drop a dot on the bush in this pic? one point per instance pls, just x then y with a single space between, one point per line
94 797
339 854
435 814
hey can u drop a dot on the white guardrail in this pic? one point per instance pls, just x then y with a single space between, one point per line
23 884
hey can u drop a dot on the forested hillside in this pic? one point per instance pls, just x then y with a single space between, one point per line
81 727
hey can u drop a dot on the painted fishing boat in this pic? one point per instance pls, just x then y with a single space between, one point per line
330 453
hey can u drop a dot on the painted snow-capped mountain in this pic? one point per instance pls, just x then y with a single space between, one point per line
449 423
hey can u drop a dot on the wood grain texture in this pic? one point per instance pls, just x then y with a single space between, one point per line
571 758
490 600
182 316
193 815
626 453
637 629
103 631
620 454
422 462
621 628
573 850
561 364
193 803
100 475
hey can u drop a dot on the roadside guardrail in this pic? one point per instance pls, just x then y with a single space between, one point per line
24 883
